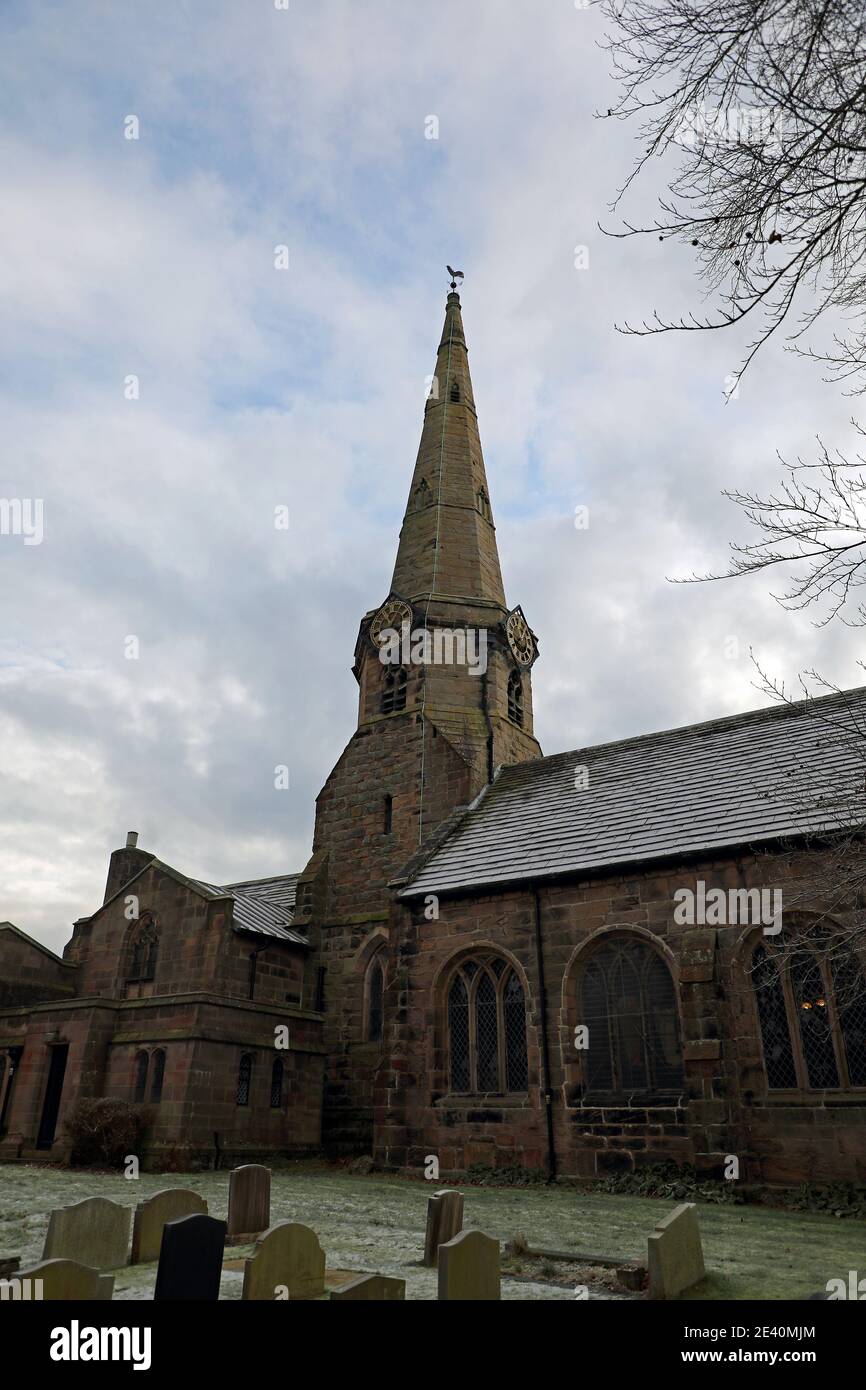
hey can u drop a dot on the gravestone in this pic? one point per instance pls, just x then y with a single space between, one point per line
66 1281
191 1259
249 1202
94 1232
444 1222
286 1261
151 1216
373 1288
469 1268
674 1253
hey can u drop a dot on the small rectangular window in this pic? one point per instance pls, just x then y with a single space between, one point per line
389 814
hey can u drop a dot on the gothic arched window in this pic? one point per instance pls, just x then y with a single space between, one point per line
627 1002
422 494
455 392
394 691
245 1076
515 697
484 504
811 1007
140 1087
157 1076
144 950
277 1084
486 1028
375 993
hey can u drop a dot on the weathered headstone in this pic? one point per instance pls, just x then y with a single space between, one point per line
191 1259
674 1253
373 1288
249 1202
64 1280
287 1262
150 1217
444 1222
469 1268
94 1232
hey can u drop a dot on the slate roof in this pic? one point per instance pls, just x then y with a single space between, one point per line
265 906
733 781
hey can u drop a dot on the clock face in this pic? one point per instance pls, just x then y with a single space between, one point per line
391 616
520 639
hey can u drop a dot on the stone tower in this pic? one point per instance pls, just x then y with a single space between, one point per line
445 697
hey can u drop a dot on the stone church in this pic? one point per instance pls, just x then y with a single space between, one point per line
486 957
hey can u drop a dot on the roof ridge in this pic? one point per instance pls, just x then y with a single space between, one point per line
764 713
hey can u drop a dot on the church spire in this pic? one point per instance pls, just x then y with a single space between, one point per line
447 544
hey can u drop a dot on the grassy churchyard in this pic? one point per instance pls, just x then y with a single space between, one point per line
377 1224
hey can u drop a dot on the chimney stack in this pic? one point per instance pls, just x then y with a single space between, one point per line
131 839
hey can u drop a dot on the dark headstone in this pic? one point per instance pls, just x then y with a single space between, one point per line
191 1259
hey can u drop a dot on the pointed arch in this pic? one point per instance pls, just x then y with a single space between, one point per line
142 950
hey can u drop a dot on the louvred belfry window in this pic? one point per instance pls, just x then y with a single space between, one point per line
515 697
811 1005
486 1029
394 691
627 1002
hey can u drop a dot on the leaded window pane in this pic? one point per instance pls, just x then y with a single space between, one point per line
813 1011
773 1019
486 1035
245 1072
515 1035
850 995
659 1011
458 1035
628 1004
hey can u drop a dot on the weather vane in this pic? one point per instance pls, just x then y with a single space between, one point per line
455 276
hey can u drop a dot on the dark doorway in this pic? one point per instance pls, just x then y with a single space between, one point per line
50 1108
14 1059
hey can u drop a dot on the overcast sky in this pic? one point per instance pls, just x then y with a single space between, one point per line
303 387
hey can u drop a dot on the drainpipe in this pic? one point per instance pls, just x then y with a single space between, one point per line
545 1054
